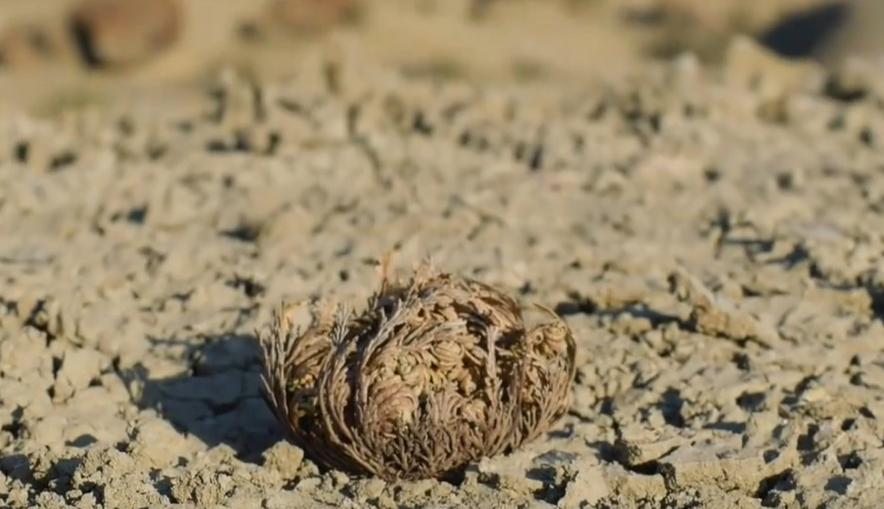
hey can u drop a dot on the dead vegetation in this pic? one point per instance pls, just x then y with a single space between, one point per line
437 372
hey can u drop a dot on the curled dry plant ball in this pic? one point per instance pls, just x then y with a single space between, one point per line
434 374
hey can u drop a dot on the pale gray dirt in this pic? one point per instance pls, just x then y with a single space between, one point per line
714 239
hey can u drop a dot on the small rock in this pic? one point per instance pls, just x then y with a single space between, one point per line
118 33
78 369
155 443
28 47
203 486
51 500
285 458
338 479
309 484
363 490
283 500
18 497
587 488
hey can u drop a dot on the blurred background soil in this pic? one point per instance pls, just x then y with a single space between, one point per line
61 53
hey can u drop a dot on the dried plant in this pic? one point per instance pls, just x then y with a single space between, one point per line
437 372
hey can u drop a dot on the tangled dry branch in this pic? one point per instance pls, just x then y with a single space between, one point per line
437 372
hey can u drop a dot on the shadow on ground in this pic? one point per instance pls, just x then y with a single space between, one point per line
220 401
805 33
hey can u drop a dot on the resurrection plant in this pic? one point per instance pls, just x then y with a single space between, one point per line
435 373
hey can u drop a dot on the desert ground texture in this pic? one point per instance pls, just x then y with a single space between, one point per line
710 224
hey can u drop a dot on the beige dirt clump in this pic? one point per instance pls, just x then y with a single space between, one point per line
437 372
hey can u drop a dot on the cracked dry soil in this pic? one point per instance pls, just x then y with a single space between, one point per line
712 237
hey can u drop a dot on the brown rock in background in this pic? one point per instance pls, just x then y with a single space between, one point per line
121 33
28 47
310 17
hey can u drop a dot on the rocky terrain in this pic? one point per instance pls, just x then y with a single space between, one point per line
711 233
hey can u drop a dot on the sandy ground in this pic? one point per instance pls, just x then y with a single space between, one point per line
713 236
